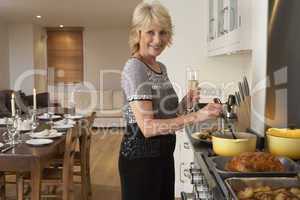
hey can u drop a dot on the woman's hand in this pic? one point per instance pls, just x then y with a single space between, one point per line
192 98
188 101
210 111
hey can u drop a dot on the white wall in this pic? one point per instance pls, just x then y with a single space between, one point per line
4 56
21 56
259 64
189 49
105 50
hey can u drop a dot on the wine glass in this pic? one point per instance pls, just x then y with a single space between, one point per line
192 84
33 122
12 126
33 125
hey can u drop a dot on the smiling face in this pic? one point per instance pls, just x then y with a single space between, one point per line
153 40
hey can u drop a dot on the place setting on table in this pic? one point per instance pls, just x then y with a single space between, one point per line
35 128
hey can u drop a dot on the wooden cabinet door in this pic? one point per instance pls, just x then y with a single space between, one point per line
65 55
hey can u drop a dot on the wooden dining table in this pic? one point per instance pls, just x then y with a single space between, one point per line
33 159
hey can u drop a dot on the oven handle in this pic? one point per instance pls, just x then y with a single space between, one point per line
180 174
186 196
183 196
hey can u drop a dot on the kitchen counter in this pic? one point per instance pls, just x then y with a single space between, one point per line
201 153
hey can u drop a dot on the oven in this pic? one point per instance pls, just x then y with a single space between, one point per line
201 189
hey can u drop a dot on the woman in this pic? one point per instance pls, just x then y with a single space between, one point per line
146 162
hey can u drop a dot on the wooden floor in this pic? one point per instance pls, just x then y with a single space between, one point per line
104 164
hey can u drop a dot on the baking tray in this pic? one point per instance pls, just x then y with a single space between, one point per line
237 184
291 167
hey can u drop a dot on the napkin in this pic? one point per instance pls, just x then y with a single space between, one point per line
65 122
45 133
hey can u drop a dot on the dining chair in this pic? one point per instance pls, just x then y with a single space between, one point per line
58 176
82 157
2 186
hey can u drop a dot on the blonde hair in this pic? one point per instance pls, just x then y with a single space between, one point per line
144 15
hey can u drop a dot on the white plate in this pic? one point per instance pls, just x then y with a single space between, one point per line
39 142
1 144
62 126
73 116
64 122
53 134
24 129
2 122
48 117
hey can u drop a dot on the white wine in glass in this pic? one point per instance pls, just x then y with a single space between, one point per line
193 84
193 79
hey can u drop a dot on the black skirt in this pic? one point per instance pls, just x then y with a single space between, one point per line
147 178
146 166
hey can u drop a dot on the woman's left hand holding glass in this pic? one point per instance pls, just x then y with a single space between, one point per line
192 98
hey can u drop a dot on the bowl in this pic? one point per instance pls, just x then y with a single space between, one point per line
225 145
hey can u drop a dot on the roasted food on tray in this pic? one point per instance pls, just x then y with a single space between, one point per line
268 193
255 162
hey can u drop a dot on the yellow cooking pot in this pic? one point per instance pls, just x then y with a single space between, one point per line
225 145
284 142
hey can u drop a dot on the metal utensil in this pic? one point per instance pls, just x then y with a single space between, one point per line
221 118
7 148
232 132
238 103
241 91
238 97
246 86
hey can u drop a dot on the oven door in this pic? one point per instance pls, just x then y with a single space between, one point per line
187 196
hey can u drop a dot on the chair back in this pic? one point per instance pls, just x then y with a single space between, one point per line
85 141
68 163
86 134
90 120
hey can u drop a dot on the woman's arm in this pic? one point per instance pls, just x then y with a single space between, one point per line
150 127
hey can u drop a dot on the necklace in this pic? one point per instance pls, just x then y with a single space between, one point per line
154 67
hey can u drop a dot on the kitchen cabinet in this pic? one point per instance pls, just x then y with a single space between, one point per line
183 157
229 26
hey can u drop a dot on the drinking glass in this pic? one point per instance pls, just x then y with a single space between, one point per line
6 137
12 126
193 79
33 122
33 125
192 84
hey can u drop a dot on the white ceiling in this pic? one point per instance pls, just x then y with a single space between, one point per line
95 13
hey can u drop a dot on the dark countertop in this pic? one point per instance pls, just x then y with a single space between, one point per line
201 152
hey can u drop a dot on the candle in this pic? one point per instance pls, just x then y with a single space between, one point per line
12 102
34 99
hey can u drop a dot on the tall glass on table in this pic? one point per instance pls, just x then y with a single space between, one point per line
33 120
12 130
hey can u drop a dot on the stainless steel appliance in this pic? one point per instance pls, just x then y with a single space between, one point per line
283 60
201 189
